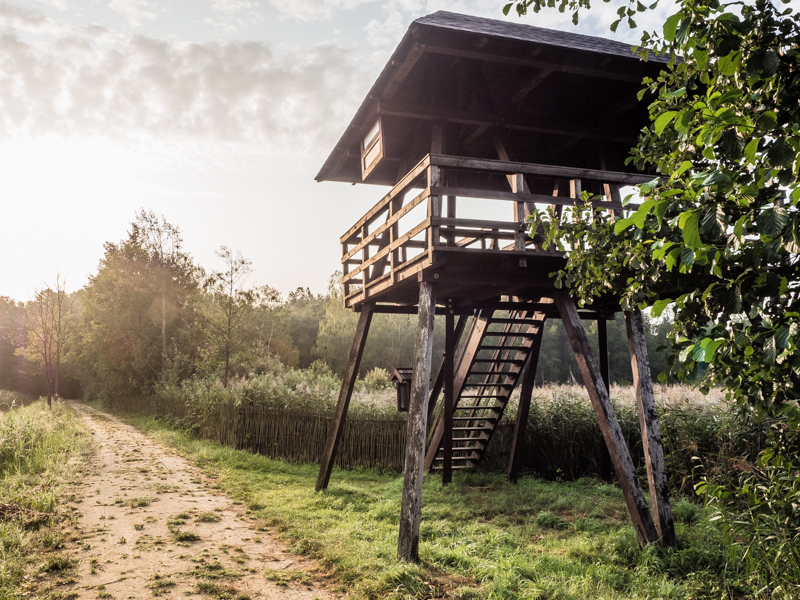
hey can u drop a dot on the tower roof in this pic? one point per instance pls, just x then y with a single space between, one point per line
552 97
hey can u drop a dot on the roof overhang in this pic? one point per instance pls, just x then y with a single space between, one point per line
551 97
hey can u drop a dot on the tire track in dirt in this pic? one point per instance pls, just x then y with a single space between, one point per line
150 524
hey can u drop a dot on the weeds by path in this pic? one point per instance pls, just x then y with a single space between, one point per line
41 450
480 538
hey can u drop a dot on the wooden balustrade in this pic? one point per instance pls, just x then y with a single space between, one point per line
391 243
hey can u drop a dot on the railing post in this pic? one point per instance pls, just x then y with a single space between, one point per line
365 258
434 207
612 195
519 211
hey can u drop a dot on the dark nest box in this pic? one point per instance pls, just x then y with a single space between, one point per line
474 125
401 377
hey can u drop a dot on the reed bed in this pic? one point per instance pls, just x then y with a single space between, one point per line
288 417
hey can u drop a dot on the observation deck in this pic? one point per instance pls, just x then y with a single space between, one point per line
443 222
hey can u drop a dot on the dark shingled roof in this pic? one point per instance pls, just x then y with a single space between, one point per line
587 82
529 33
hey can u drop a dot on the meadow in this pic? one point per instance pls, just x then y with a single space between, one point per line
480 537
41 452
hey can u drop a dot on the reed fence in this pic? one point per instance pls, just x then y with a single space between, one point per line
563 440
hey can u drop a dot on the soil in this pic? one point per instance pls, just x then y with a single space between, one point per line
151 524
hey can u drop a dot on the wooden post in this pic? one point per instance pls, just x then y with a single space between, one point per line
602 350
526 391
609 425
346 391
648 422
602 342
439 382
411 507
449 400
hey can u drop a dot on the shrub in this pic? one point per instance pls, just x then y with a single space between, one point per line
376 380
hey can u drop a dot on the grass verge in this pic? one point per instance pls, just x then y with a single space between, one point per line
480 538
41 451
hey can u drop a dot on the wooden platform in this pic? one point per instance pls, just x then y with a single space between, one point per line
422 230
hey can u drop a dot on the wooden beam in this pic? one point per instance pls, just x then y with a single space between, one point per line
449 399
602 343
346 391
468 353
411 507
402 71
648 422
531 84
438 384
618 71
525 394
533 124
607 419
500 166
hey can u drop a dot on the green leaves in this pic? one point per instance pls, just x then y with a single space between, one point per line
671 26
659 306
772 221
688 222
663 120
716 178
781 154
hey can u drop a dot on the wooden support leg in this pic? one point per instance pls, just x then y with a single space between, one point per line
602 343
526 391
349 381
609 425
449 400
648 422
411 508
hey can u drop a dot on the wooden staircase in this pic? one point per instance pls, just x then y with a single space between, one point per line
487 369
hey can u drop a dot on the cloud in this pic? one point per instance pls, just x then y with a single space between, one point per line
315 10
165 89
389 32
57 4
135 11
232 15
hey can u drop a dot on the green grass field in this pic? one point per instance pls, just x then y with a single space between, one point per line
480 538
41 452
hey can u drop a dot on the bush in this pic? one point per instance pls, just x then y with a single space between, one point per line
376 380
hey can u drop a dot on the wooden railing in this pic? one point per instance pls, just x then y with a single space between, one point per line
398 236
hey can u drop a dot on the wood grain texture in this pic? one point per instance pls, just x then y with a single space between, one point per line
411 506
525 395
607 419
651 436
348 383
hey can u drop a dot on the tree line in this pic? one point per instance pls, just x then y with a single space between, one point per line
151 315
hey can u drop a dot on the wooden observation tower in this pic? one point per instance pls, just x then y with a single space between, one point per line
475 124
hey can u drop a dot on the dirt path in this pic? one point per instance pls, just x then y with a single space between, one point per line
151 524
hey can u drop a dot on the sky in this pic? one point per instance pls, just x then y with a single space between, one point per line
216 114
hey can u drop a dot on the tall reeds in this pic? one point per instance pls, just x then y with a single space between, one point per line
287 414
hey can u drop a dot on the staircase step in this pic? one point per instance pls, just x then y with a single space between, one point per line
521 321
526 334
496 347
513 361
505 373
485 428
440 457
476 384
492 419
468 439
